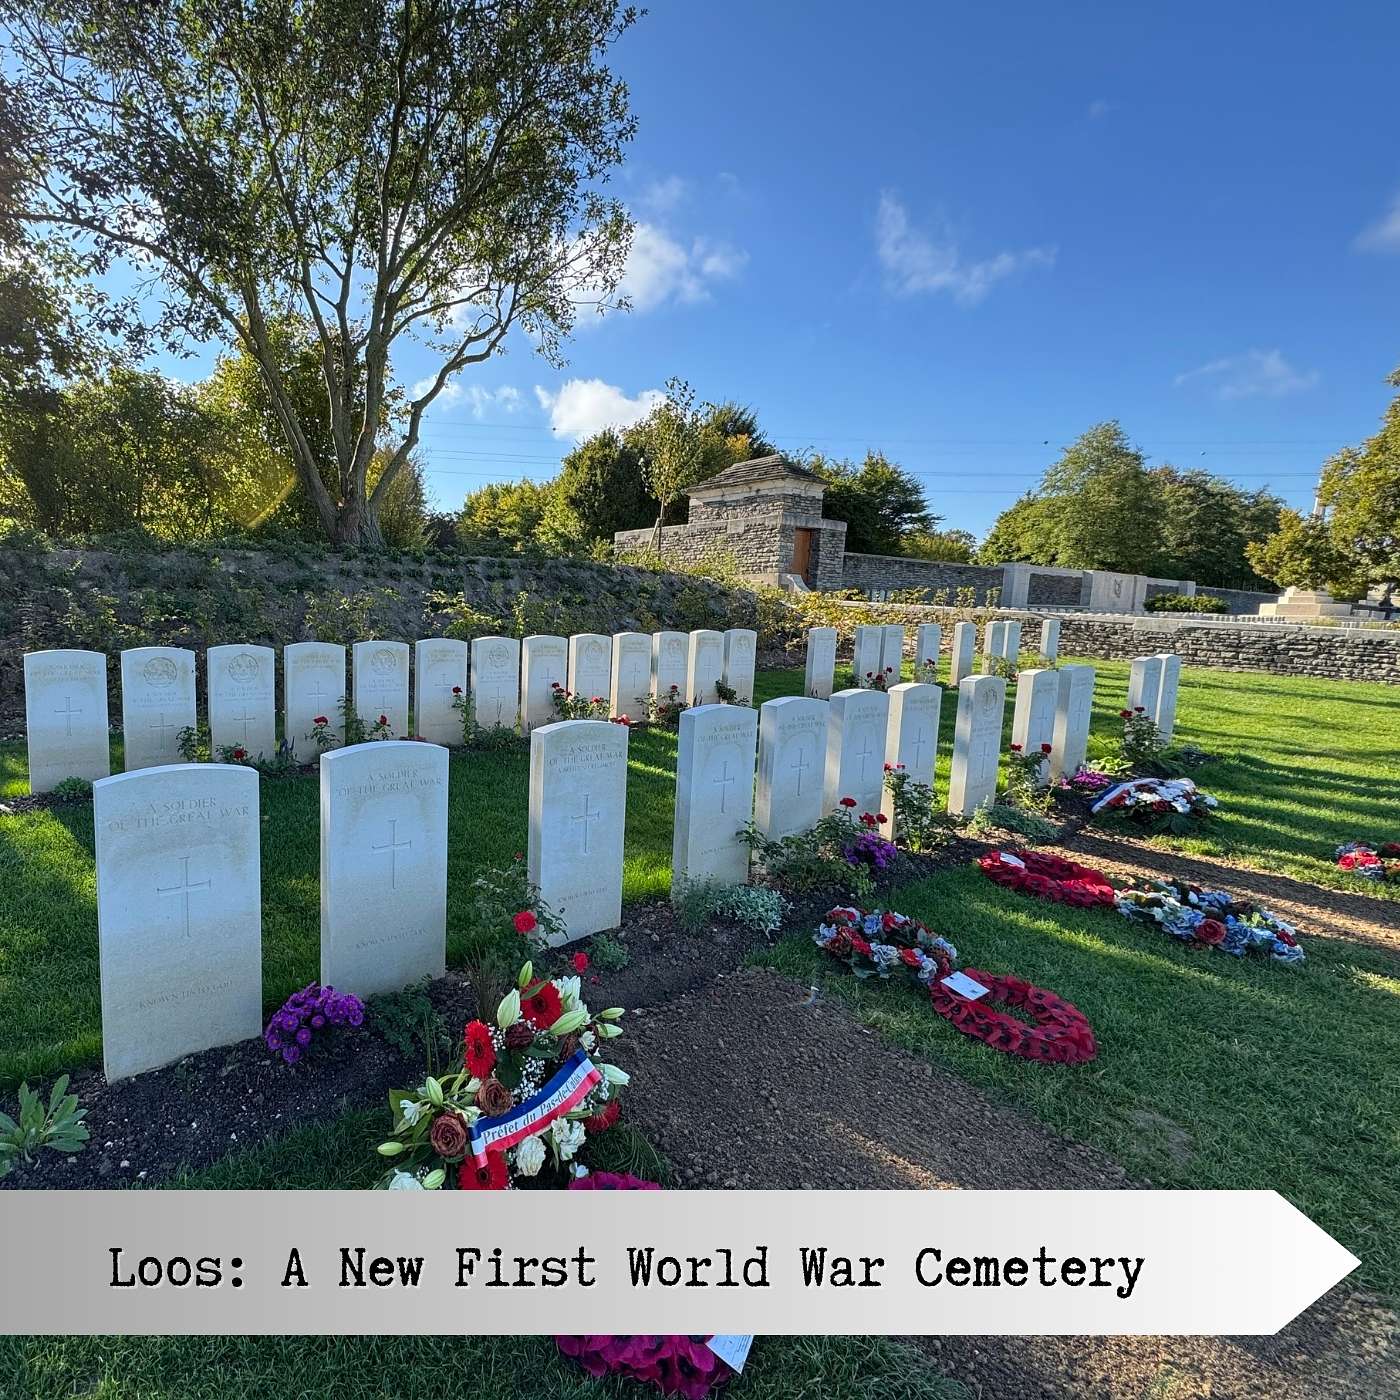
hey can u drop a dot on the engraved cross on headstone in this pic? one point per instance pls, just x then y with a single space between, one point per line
393 845
724 782
67 713
799 768
245 719
865 754
184 889
917 745
587 816
159 726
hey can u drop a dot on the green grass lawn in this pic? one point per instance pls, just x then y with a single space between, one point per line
1304 765
1212 1072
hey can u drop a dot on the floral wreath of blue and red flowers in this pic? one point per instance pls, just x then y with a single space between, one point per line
1370 862
1211 919
880 943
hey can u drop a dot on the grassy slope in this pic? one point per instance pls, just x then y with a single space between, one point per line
1304 765
1211 1072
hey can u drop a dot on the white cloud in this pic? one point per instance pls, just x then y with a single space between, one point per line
914 262
1383 235
506 399
1255 374
661 269
666 195
582 407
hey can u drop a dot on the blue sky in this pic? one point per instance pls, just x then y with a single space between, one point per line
963 234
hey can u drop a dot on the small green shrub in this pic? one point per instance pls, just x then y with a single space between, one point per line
993 816
608 953
410 1022
1190 603
755 907
72 790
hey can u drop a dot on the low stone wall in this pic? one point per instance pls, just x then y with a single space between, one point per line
886 573
1330 653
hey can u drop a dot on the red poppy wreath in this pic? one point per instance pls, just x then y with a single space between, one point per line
1061 1033
1048 877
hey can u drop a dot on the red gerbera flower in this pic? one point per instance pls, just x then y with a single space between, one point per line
601 1121
525 922
543 1007
481 1054
492 1176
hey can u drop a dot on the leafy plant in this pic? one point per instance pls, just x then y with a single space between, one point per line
59 1127
998 816
193 743
351 723
1190 603
568 705
1142 745
408 1021
504 919
72 790
664 709
1026 778
756 907
608 953
918 823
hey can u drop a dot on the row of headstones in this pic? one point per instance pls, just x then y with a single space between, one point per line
879 648
507 681
178 864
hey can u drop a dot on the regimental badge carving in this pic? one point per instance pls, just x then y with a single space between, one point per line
160 671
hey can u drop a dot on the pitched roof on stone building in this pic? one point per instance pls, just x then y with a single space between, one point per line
765 469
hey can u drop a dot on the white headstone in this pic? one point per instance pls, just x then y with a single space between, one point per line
855 749
383 866
791 764
865 660
242 698
179 912
820 675
964 652
65 717
1011 640
590 666
1166 695
1050 638
380 672
972 775
705 665
157 703
1033 720
740 654
669 664
892 651
993 640
1074 709
313 679
912 739
1145 684
928 642
544 663
630 681
578 810
714 795
495 682
439 680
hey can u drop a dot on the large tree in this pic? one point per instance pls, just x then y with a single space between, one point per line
881 503
1207 525
388 169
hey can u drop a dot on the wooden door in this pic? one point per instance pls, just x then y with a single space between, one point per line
802 553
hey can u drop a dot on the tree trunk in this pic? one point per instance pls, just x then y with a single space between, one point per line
656 529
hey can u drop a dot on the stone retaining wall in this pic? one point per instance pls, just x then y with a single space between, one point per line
886 573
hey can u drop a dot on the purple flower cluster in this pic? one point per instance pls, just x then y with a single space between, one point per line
870 849
1088 780
312 1009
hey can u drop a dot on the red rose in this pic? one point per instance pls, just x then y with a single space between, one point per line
383 719
543 1007
480 1052
493 1097
882 819
859 945
320 719
1045 748
240 754
909 957
1015 748
456 689
1139 709
493 1176
1125 714
525 922
580 961
1286 938
1210 932
848 802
